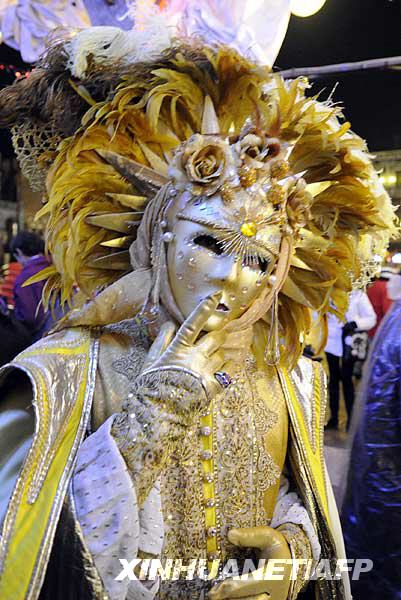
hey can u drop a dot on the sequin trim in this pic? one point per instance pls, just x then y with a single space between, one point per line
300 549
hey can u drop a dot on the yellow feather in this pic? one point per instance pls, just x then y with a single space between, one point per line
146 117
40 276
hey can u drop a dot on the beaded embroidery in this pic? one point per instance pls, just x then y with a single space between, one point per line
243 471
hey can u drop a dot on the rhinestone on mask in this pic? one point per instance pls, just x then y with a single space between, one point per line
227 193
249 229
279 169
276 194
248 177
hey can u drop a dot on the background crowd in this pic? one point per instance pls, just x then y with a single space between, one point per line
23 319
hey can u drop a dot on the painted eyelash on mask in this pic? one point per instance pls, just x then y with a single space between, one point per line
234 242
211 243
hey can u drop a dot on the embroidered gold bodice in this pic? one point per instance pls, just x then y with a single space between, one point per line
226 472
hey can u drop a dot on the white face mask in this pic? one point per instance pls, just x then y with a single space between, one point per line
198 267
394 287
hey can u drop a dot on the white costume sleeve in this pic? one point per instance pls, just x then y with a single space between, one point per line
289 509
112 524
361 311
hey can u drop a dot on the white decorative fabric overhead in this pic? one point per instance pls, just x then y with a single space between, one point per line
25 24
254 27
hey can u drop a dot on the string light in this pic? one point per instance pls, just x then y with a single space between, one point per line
17 72
388 179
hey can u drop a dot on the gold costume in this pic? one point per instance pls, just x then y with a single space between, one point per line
246 428
191 190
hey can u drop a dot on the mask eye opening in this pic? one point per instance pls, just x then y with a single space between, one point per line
210 243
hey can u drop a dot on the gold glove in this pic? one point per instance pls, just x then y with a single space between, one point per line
202 358
272 546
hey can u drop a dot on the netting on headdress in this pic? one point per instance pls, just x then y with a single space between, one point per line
35 145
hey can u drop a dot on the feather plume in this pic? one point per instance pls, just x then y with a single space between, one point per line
114 161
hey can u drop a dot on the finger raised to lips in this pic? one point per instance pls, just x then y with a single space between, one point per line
194 324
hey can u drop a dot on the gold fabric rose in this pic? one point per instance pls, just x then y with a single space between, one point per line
203 163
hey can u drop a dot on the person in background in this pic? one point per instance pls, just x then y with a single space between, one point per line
345 346
13 333
371 515
9 273
377 293
28 249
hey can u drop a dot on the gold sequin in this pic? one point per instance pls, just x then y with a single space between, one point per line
276 194
227 193
279 169
300 551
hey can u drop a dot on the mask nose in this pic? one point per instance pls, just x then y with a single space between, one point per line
228 270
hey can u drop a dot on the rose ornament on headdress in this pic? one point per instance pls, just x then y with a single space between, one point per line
256 148
202 164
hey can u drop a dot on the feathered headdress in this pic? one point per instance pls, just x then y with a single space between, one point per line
201 120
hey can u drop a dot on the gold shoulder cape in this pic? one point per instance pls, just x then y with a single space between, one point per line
62 370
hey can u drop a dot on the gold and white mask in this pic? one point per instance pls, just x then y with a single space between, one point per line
227 217
223 208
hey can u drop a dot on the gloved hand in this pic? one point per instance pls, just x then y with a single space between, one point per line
349 328
272 546
203 357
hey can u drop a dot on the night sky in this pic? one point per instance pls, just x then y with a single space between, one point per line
342 31
352 30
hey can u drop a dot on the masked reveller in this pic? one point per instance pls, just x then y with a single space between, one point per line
198 210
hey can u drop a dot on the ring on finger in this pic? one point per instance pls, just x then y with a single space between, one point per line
223 378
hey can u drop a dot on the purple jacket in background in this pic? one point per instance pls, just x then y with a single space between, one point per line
27 298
